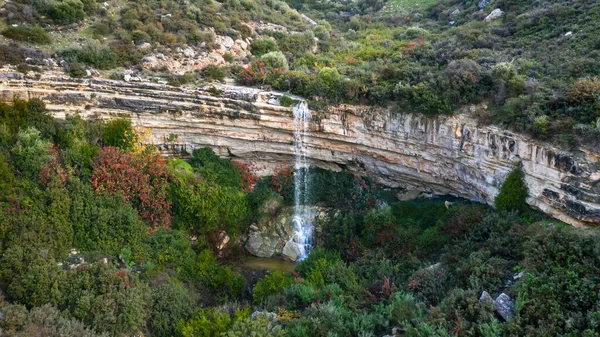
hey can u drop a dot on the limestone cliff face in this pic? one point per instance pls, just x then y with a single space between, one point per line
443 155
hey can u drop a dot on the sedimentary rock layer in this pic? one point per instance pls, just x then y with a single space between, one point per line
443 155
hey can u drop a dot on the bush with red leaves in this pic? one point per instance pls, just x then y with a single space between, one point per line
142 179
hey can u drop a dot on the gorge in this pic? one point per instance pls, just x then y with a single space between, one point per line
442 155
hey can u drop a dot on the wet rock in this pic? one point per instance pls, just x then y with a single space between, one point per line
274 234
292 251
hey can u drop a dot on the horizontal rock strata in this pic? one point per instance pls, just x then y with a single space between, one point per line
443 155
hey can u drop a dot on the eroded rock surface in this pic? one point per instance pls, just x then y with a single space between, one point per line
442 155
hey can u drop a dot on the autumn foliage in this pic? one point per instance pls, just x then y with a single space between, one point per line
143 180
249 177
585 90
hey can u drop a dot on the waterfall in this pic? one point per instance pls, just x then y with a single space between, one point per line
302 218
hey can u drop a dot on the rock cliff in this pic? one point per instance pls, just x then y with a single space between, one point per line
443 155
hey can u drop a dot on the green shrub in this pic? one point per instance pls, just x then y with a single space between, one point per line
91 54
76 69
298 296
105 223
286 101
422 98
34 34
558 295
258 326
119 133
271 283
513 193
221 281
318 260
275 60
210 322
431 284
215 169
30 153
263 46
215 72
171 249
171 303
487 272
63 11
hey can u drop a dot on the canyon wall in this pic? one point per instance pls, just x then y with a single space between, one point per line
442 155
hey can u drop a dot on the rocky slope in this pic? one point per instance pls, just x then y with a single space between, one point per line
443 155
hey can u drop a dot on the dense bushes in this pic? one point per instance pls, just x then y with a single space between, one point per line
419 266
142 179
263 46
91 54
34 34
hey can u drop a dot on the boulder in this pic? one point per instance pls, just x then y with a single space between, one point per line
505 306
482 4
273 235
261 245
485 297
189 52
308 20
292 251
495 14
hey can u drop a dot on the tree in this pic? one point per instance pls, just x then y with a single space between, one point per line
30 154
106 298
170 304
104 223
119 133
262 46
513 193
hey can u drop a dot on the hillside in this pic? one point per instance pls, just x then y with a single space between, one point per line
535 64
161 175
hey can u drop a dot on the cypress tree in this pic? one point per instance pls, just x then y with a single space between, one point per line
513 193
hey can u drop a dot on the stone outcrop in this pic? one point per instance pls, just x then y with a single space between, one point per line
273 236
443 155
190 58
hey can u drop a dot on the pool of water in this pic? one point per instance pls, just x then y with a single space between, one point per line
272 264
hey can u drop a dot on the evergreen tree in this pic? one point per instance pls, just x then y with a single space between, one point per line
513 193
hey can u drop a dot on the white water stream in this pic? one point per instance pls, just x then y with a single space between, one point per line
303 217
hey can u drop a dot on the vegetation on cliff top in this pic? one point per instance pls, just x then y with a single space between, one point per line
535 67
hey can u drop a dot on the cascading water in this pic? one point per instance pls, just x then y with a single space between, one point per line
302 218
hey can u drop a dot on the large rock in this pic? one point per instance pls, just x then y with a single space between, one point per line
292 251
273 236
505 306
495 14
262 245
